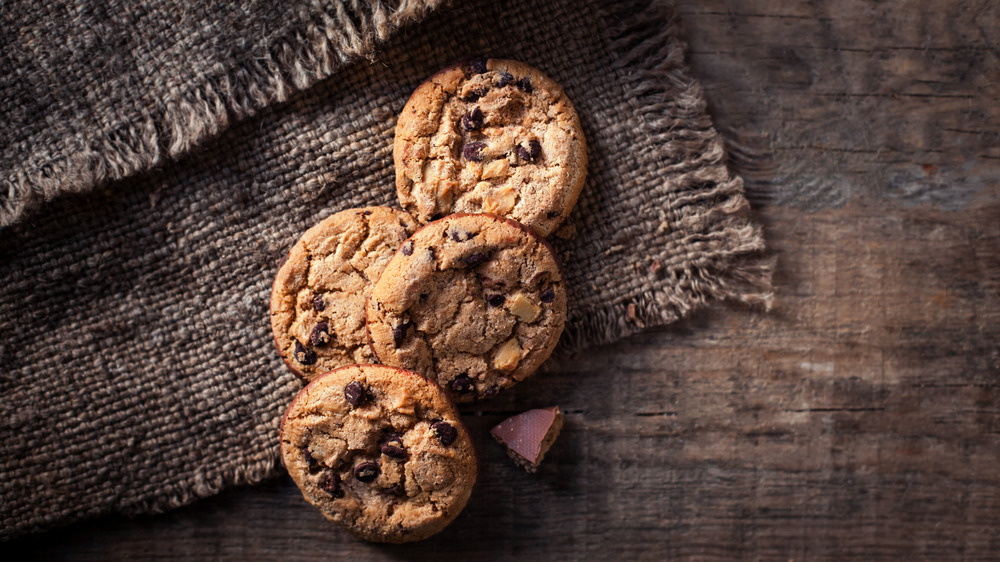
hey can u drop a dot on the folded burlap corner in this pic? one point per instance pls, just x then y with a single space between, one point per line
137 371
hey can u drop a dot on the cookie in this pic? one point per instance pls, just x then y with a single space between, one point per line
318 297
474 302
379 450
494 136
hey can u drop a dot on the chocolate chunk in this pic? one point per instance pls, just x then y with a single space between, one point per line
318 304
505 79
490 391
395 490
392 446
460 235
478 66
548 295
366 471
355 393
529 435
304 355
531 152
399 333
495 300
472 260
476 93
552 214
366 213
331 485
408 248
473 120
310 460
474 151
463 384
445 432
525 84
320 334
392 449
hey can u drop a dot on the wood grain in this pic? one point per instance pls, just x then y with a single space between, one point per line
859 419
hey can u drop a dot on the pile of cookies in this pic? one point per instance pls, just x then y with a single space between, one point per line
392 316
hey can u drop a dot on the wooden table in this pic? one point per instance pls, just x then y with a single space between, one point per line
859 419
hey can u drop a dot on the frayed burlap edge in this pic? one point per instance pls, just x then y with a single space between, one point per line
741 271
203 109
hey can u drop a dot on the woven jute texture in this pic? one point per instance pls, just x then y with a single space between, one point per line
137 371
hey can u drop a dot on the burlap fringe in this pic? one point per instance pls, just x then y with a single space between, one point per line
667 96
195 112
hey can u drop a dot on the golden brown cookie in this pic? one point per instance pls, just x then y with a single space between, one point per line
474 302
493 136
318 297
379 450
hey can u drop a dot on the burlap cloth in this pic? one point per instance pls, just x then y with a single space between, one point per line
137 371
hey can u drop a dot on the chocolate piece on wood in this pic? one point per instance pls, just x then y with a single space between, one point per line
529 435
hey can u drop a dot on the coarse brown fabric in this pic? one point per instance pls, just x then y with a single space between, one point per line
93 92
137 371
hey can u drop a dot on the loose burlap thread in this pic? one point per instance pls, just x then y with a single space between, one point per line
137 370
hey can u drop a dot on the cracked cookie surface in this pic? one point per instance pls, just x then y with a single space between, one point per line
318 297
493 136
475 302
379 450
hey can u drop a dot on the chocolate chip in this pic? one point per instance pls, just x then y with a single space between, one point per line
552 214
304 355
320 335
495 300
490 391
445 432
474 151
331 485
531 152
473 120
310 460
476 93
463 384
505 79
460 235
525 84
399 333
473 260
408 248
547 296
395 490
355 393
366 471
392 449
479 66
318 304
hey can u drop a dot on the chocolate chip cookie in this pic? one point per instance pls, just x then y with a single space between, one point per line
492 136
318 297
379 450
475 302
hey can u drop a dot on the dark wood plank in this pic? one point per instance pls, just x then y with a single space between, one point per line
859 419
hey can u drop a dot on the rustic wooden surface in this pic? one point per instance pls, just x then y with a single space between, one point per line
859 419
